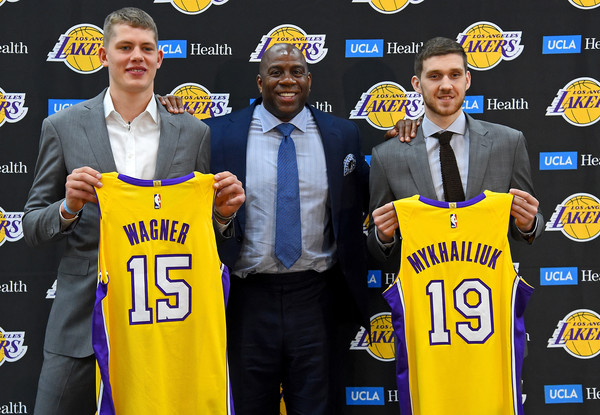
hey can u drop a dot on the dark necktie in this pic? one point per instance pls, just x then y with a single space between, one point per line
453 190
288 234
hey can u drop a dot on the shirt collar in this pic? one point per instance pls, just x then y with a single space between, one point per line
109 107
459 126
268 121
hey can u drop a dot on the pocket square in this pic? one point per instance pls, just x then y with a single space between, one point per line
349 164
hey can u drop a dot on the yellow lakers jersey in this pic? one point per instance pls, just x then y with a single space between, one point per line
457 308
159 329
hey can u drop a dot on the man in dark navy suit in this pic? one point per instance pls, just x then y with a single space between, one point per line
284 318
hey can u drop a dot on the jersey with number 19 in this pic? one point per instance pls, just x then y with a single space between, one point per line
457 308
159 319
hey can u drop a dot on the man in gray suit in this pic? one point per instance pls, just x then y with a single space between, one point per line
489 156
122 129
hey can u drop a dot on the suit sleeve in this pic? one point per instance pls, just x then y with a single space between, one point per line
41 220
203 157
521 179
380 193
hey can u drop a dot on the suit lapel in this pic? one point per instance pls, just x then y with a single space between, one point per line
97 134
167 144
416 158
333 147
480 147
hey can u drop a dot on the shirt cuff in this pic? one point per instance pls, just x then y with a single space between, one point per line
64 222
386 245
529 234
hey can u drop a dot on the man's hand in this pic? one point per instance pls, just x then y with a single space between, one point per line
173 104
524 208
229 196
79 189
404 129
386 221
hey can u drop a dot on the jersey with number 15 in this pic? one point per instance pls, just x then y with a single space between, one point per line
159 319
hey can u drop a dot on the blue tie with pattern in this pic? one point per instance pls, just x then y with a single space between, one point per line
288 234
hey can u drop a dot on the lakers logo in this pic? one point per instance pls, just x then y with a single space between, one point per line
585 4
578 333
311 46
11 226
192 6
486 45
10 1
386 103
388 6
78 48
12 346
382 346
12 106
577 217
578 102
204 104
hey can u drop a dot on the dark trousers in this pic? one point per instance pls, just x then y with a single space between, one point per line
67 386
279 333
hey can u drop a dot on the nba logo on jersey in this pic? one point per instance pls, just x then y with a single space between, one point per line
453 220
157 201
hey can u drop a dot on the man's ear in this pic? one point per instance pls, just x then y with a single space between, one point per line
416 83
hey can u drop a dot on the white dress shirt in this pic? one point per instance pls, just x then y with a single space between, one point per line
134 145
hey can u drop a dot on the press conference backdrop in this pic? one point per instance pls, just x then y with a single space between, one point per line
535 66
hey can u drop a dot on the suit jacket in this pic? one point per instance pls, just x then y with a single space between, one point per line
498 161
348 194
76 137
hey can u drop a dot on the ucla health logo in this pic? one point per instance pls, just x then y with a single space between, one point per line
561 44
364 396
577 217
561 160
585 4
578 102
374 278
202 101
78 48
173 48
388 6
55 105
10 1
559 276
473 104
563 394
364 48
578 333
192 6
11 226
12 346
382 338
486 45
387 102
312 46
12 107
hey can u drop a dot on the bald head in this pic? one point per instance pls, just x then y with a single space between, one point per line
277 50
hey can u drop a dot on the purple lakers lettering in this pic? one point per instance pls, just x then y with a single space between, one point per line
311 46
156 230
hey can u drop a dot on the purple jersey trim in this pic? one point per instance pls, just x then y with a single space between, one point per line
101 349
152 183
394 298
446 205
523 293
